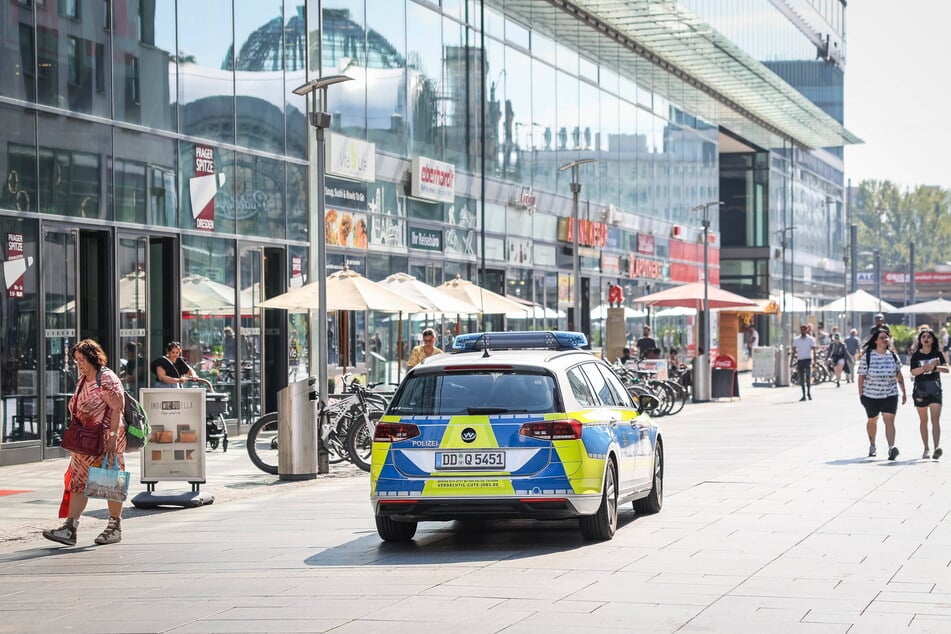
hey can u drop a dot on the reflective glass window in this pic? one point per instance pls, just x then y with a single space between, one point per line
208 300
258 201
205 78
386 71
517 118
296 176
424 67
259 74
20 364
130 173
144 64
16 51
72 155
18 189
460 109
544 124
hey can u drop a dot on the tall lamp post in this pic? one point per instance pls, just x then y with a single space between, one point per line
783 244
575 257
317 269
705 326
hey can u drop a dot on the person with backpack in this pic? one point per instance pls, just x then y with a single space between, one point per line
880 378
926 365
98 400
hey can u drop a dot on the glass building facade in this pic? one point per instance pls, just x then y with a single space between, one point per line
160 169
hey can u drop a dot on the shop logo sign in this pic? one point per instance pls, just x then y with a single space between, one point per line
433 180
15 266
203 187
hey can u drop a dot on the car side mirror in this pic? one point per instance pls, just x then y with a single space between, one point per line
647 402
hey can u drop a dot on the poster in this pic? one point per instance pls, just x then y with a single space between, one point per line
176 449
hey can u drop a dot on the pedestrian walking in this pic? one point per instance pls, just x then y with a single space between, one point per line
805 347
428 349
646 343
879 381
926 365
98 399
837 354
944 341
852 345
880 325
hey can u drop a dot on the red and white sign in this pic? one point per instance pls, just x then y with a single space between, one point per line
725 362
15 266
297 271
433 180
921 277
203 187
642 267
645 244
590 233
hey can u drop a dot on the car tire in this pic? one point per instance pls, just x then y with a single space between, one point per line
655 499
602 525
391 530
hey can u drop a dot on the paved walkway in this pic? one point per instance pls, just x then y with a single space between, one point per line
774 520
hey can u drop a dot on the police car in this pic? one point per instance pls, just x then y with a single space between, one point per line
514 425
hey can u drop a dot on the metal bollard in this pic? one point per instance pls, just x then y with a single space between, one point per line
296 432
701 378
782 367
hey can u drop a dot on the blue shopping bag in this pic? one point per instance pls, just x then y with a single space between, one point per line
108 483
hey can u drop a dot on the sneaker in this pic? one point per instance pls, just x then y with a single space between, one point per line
926 454
112 534
871 451
937 453
65 534
893 453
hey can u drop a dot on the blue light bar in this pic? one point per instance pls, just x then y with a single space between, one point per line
520 340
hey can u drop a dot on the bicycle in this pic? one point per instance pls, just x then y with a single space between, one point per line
345 424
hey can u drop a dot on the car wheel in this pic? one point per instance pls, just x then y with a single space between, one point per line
655 499
391 530
602 525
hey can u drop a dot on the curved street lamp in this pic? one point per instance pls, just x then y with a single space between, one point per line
705 328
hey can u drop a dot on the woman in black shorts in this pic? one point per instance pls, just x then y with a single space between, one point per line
879 380
926 365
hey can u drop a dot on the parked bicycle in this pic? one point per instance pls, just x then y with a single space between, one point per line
345 428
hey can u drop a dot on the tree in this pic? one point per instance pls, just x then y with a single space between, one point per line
889 218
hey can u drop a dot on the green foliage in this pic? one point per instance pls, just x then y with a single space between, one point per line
889 218
902 336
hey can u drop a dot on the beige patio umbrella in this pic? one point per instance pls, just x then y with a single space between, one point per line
431 298
346 290
200 293
484 300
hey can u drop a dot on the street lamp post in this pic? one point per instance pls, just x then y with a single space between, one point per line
575 257
705 313
783 244
317 267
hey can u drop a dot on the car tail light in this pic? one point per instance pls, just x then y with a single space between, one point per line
394 432
552 430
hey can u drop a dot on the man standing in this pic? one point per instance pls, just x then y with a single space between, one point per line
880 325
805 347
852 345
646 343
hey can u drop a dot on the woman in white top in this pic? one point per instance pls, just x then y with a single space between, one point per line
879 380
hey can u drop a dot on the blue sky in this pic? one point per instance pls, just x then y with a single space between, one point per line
897 93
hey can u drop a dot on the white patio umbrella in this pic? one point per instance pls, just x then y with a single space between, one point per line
600 312
485 300
346 290
940 306
676 311
536 311
433 300
859 302
200 293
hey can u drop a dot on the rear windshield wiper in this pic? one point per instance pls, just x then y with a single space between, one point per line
494 410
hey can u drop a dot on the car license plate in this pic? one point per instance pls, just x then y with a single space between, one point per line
470 460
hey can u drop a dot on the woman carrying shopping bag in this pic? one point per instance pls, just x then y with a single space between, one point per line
98 400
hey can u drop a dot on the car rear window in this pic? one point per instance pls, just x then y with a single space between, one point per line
455 393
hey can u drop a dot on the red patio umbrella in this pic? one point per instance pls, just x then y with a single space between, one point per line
691 295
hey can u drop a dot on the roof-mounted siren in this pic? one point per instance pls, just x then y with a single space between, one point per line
520 340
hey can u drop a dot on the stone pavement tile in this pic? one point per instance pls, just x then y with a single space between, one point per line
463 612
742 541
692 561
618 588
930 623
715 580
910 608
806 588
556 606
865 623
619 617
229 626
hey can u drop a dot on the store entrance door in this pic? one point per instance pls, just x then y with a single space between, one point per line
78 305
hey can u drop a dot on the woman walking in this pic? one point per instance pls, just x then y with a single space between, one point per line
879 380
926 364
98 399
838 356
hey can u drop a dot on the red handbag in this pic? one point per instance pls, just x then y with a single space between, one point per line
83 439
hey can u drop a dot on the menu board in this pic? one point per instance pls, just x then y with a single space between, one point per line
176 448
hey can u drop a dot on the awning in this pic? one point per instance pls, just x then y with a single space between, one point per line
650 40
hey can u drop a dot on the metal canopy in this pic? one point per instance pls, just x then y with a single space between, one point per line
667 39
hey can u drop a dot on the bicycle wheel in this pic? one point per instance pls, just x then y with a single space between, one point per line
680 396
262 443
360 443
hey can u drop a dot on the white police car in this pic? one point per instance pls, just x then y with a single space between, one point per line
514 425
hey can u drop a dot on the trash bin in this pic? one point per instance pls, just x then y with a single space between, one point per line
297 431
782 367
701 378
